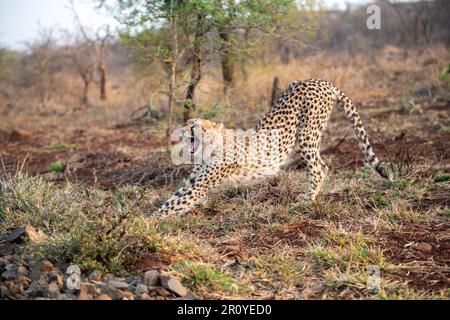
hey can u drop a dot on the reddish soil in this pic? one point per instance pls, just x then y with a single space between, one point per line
424 245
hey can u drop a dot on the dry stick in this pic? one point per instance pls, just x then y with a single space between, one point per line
3 164
23 162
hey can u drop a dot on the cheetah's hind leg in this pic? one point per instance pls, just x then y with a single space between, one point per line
317 171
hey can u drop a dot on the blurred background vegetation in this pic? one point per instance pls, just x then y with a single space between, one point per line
172 60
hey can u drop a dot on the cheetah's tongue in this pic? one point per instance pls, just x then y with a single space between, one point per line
194 146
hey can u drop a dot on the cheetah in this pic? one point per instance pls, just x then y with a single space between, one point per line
292 128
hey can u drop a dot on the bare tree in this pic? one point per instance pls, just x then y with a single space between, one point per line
82 56
102 48
99 44
41 66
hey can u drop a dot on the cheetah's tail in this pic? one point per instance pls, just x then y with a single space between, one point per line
363 141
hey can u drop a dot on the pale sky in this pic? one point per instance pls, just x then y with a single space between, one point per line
20 19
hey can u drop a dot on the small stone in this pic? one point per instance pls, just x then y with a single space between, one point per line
4 292
95 275
87 291
34 235
103 297
9 275
161 291
140 289
53 290
112 292
133 281
127 295
144 296
16 235
151 278
118 284
174 285
23 280
22 271
15 289
46 266
190 296
36 289
57 277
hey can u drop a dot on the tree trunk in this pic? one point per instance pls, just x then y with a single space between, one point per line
196 72
226 61
86 92
173 77
102 72
226 57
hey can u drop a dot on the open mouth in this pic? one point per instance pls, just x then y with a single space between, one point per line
194 144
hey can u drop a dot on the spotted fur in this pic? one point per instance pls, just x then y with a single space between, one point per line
299 117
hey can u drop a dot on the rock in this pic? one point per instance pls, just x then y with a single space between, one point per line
22 271
144 296
57 277
36 289
15 289
112 292
103 297
87 291
127 295
133 281
118 284
190 296
161 291
4 292
15 235
46 266
23 280
140 289
9 275
151 278
424 247
20 234
95 275
53 290
174 285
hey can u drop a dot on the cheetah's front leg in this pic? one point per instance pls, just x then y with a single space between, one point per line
185 199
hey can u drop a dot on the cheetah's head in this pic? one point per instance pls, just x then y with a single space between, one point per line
202 132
